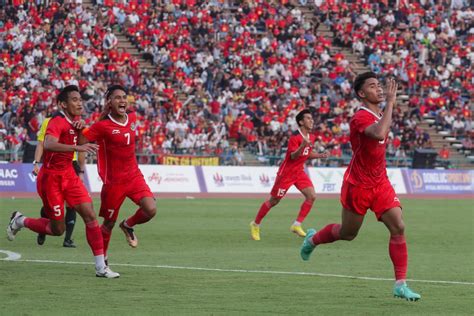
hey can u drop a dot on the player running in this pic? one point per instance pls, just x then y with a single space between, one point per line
366 184
118 167
57 181
78 164
291 172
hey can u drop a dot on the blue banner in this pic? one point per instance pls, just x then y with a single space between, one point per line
17 178
439 181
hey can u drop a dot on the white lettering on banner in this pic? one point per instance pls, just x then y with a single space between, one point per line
8 173
7 183
223 179
160 178
32 177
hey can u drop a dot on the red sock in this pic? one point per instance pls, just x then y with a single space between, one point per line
106 233
94 238
264 209
39 225
328 234
139 217
397 249
304 210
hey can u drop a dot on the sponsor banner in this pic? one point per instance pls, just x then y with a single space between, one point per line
17 178
329 180
190 160
396 179
241 179
439 181
160 178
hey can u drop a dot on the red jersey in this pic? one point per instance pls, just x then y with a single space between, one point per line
295 166
60 127
116 161
368 166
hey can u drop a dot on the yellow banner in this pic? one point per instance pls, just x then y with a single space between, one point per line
190 161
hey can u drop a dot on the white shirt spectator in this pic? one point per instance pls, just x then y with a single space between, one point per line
110 40
88 68
345 127
29 60
458 124
449 119
133 18
171 126
275 125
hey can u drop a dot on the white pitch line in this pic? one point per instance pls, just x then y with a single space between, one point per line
248 271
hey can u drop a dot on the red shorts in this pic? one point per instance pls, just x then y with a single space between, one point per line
379 199
283 183
113 195
55 188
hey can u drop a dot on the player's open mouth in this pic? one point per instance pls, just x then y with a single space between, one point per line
122 108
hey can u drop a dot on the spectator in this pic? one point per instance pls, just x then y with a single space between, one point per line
444 153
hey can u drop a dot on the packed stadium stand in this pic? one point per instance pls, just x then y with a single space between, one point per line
214 78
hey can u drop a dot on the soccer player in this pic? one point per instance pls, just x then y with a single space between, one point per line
291 172
118 168
78 165
57 182
366 184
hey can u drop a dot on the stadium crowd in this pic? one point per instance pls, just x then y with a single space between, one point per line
228 77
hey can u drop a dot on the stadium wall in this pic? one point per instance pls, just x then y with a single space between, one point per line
249 180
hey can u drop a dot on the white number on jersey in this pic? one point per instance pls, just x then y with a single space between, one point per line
57 210
127 135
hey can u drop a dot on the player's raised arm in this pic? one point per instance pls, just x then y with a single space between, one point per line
380 129
296 153
315 155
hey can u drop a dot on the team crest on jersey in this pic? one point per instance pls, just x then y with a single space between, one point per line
71 131
133 126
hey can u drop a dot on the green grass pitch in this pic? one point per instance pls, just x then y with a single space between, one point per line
213 234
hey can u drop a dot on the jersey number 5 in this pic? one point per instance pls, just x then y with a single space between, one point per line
127 135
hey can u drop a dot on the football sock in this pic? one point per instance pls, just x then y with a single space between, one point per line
328 234
304 210
397 249
94 238
296 223
106 233
70 222
43 213
38 225
139 217
264 209
99 262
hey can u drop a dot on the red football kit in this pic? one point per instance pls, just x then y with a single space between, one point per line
291 171
366 184
117 164
57 181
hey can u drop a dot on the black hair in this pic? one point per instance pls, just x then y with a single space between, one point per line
360 80
111 90
300 116
64 93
